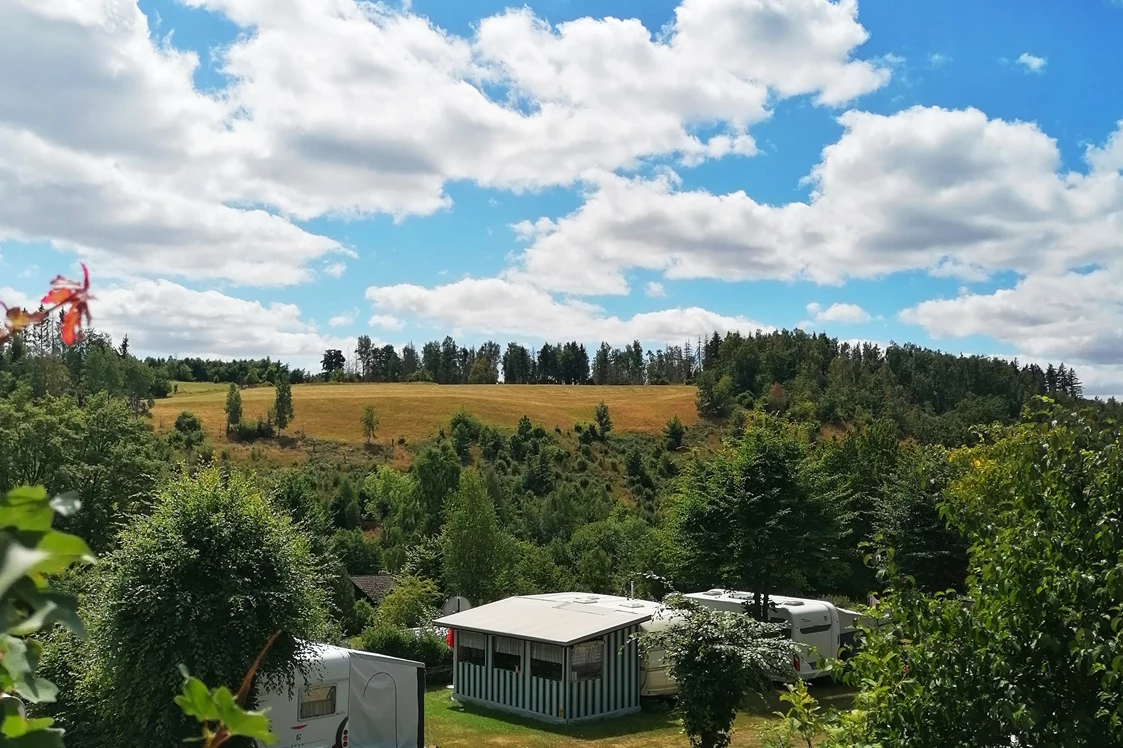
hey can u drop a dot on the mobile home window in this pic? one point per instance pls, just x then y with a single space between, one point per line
472 647
816 629
507 653
588 661
785 631
318 701
546 661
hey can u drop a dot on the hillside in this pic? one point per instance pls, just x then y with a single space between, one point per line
418 411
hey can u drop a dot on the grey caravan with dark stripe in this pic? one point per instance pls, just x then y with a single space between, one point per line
562 658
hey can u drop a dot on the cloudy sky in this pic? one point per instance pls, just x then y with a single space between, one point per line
273 177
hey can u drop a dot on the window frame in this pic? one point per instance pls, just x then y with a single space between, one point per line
333 699
547 662
581 673
499 643
466 650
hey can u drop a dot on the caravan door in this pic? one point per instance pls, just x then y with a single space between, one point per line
387 702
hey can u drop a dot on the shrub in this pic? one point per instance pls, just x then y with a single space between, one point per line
425 646
204 581
673 433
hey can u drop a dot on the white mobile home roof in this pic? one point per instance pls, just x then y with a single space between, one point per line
563 618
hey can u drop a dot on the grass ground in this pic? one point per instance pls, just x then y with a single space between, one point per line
417 411
450 725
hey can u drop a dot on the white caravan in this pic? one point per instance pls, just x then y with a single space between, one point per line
350 699
655 679
819 628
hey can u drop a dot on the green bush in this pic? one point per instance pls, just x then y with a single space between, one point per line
204 581
426 646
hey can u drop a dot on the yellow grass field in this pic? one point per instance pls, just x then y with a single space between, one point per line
417 411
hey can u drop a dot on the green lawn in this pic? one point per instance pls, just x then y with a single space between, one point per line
449 725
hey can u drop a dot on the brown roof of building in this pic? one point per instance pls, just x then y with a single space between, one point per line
374 587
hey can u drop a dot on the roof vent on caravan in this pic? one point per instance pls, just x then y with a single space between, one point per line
587 600
714 593
631 604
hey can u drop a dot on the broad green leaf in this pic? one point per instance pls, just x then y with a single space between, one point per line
16 725
15 660
49 738
62 551
196 700
240 722
37 690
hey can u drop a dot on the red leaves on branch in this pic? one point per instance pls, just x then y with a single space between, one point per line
71 296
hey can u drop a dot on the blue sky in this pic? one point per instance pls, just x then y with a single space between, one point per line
248 178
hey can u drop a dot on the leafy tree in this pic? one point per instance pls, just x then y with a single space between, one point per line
358 555
100 452
437 470
369 422
1036 656
233 407
282 407
673 433
205 579
746 519
294 494
426 560
412 602
604 420
333 360
138 384
472 542
718 659
394 496
715 394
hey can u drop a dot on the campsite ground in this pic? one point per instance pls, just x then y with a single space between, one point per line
449 725
417 411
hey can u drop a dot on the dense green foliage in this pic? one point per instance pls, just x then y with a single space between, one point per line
718 659
205 579
32 551
420 646
98 451
753 518
472 541
1037 654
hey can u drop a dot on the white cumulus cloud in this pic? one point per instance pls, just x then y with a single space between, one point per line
495 306
848 313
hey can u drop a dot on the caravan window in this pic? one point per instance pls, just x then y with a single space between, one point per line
588 661
507 653
785 631
816 629
546 661
471 648
317 701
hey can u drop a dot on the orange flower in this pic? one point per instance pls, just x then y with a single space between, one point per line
72 296
75 297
